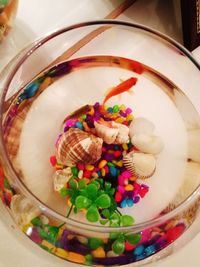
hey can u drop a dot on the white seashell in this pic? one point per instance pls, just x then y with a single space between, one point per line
194 145
108 134
61 177
148 143
141 125
76 146
23 210
140 164
112 132
123 134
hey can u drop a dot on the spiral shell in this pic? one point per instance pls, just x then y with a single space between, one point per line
61 177
140 164
76 146
23 210
112 132
141 125
148 143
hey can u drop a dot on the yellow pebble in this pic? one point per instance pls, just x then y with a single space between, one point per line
99 253
119 163
129 187
125 146
45 83
75 257
69 202
114 162
130 117
22 103
61 253
103 172
26 227
120 120
86 128
102 163
89 167
48 245
123 107
60 232
91 112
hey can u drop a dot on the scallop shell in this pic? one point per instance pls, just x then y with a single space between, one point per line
194 145
112 132
140 164
76 146
148 143
141 125
23 210
61 177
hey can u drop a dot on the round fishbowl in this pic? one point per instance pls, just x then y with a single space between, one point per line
7 13
100 143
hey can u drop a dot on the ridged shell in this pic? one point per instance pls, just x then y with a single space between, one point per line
61 177
148 143
141 125
140 164
112 132
76 146
23 210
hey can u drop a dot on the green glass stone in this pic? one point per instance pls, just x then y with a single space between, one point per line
115 109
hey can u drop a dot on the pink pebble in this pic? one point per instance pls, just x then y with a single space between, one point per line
53 160
121 189
128 111
81 166
126 174
70 123
121 180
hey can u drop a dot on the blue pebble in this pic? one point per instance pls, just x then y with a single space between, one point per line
123 204
113 171
129 202
79 125
99 173
150 250
140 257
110 110
31 89
138 250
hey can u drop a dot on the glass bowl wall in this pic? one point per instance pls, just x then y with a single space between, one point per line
97 54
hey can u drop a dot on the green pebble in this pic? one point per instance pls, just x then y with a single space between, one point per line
110 164
88 259
36 221
83 117
115 109
118 247
74 171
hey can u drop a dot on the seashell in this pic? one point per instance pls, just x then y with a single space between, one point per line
61 177
112 132
23 210
148 143
76 146
140 164
141 125
194 145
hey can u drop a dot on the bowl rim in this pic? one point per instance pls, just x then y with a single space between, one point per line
19 59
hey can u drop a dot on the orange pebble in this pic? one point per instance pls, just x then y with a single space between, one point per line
75 257
129 187
133 178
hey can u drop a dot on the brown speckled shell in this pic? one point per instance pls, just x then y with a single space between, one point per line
78 146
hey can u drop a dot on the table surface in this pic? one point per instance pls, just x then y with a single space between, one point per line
35 18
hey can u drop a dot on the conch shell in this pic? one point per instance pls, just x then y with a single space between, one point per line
76 146
140 164
23 210
148 143
112 132
141 125
61 177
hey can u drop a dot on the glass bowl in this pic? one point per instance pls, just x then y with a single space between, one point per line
7 13
74 67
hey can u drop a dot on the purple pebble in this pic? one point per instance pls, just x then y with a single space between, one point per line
136 199
96 105
123 114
